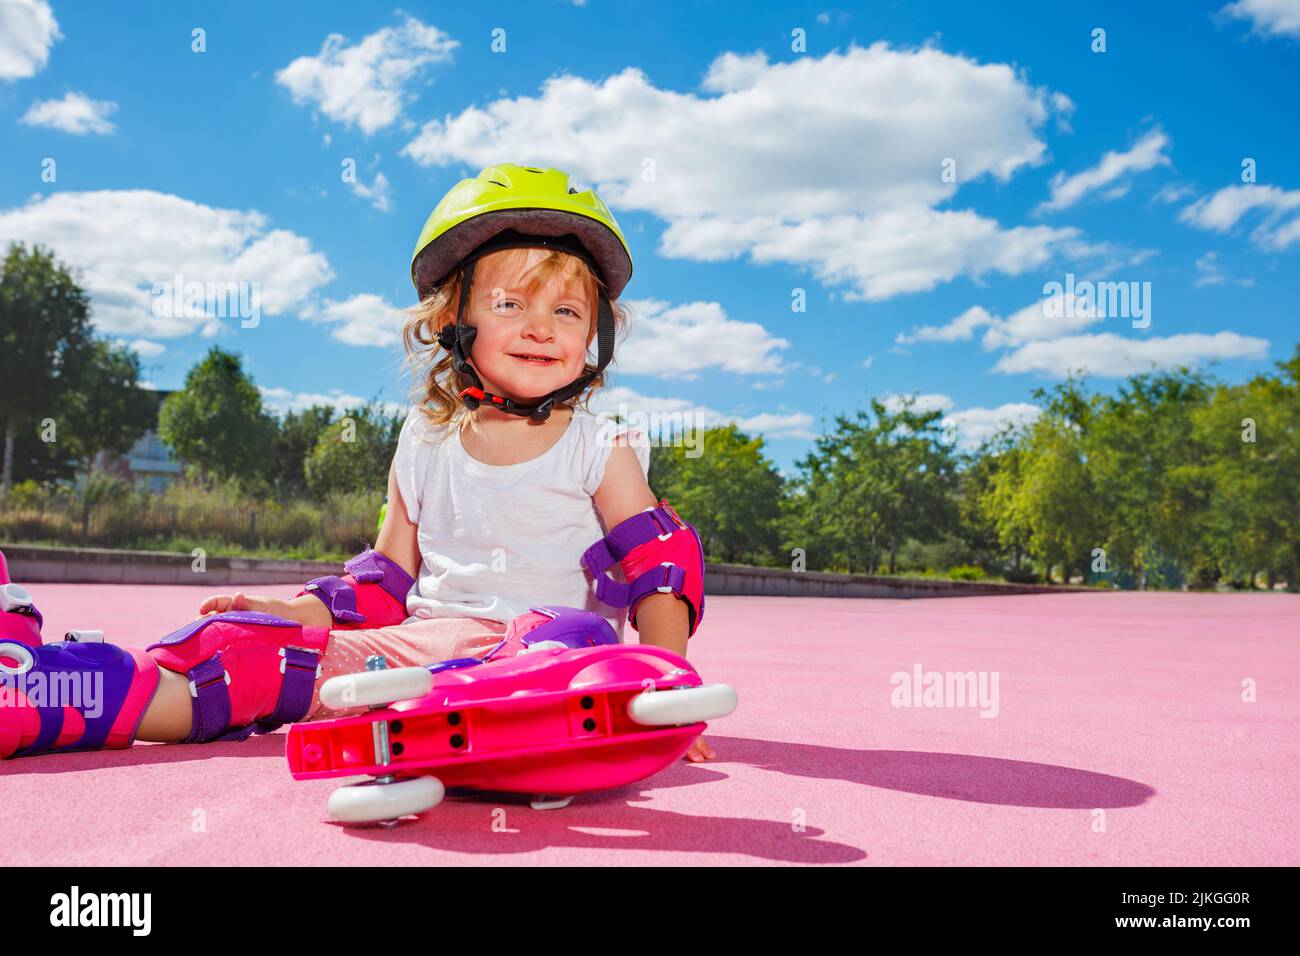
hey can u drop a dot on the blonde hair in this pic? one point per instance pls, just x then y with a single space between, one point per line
437 392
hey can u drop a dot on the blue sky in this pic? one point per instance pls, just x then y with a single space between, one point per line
920 170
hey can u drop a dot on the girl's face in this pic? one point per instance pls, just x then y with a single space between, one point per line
554 321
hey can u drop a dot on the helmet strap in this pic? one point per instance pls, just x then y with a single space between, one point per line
459 341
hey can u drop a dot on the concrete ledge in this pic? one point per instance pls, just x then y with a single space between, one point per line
35 565
744 579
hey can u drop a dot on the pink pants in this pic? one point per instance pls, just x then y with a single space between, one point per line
404 645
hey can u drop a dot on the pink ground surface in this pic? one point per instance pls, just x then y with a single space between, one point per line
1121 738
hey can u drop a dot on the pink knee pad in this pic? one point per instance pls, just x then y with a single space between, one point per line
552 626
249 672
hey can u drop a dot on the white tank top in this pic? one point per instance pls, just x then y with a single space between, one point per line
497 539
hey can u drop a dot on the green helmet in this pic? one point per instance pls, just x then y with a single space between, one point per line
540 202
509 207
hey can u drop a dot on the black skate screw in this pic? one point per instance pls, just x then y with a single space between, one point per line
453 718
395 727
457 741
587 724
587 703
397 749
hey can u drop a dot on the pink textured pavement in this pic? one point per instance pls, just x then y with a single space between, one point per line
1121 737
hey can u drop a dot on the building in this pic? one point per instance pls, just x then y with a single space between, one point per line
150 462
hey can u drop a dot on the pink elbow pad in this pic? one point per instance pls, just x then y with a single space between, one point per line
659 554
372 594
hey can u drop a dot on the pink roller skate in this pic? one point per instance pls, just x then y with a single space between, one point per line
572 711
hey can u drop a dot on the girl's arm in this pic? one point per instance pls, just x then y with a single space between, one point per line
398 540
663 619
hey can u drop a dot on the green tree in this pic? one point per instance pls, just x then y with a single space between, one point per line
1144 460
1252 466
299 433
999 482
44 326
875 481
354 453
216 423
108 411
730 492
1047 488
977 525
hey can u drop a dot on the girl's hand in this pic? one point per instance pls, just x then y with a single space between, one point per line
699 751
239 601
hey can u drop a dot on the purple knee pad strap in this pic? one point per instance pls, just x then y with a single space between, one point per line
209 679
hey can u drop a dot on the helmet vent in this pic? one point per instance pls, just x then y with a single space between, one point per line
572 190
531 170
495 183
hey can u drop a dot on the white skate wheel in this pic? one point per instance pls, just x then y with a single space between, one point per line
371 802
681 705
14 596
85 637
543 802
20 654
375 688
544 646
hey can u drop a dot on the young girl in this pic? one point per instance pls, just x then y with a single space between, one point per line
500 495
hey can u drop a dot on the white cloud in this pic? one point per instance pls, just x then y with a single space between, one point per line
976 425
1267 17
1173 192
1039 321
1279 229
931 402
76 113
869 224
682 341
681 412
1111 356
959 329
27 31
377 192
367 85
125 241
1145 154
970 426
364 319
1208 272
883 255
143 347
282 400
734 71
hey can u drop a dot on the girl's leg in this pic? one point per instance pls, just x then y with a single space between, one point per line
403 645
170 714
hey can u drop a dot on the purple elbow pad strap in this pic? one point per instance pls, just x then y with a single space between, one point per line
369 567
338 596
659 553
